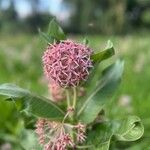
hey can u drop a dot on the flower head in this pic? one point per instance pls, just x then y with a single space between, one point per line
67 63
57 135
52 135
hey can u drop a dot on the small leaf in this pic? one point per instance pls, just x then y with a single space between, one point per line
36 105
130 129
56 31
85 41
46 37
102 55
102 91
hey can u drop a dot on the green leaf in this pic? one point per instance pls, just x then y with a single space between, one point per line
46 37
36 105
56 31
85 41
104 146
101 93
130 129
103 134
100 135
29 140
12 90
102 55
8 137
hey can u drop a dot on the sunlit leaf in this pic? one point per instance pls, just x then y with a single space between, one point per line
105 54
130 129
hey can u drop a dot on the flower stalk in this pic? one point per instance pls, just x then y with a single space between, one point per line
74 97
68 98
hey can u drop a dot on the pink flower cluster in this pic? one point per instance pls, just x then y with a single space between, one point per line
67 63
64 140
52 135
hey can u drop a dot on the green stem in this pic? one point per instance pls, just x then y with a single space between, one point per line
71 105
74 107
65 117
68 98
74 97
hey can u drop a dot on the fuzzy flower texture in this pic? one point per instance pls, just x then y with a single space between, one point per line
54 136
67 63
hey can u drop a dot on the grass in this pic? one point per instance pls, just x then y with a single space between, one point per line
20 63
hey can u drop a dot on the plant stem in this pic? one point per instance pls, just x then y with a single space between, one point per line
73 113
68 98
72 106
65 117
74 97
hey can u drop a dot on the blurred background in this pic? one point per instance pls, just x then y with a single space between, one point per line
125 22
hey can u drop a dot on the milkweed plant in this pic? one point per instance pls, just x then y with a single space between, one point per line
74 117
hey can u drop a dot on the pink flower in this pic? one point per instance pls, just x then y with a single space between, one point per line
56 91
81 137
52 135
67 63
40 130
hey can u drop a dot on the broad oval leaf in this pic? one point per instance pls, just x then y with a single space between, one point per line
105 54
36 105
127 129
130 129
103 90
